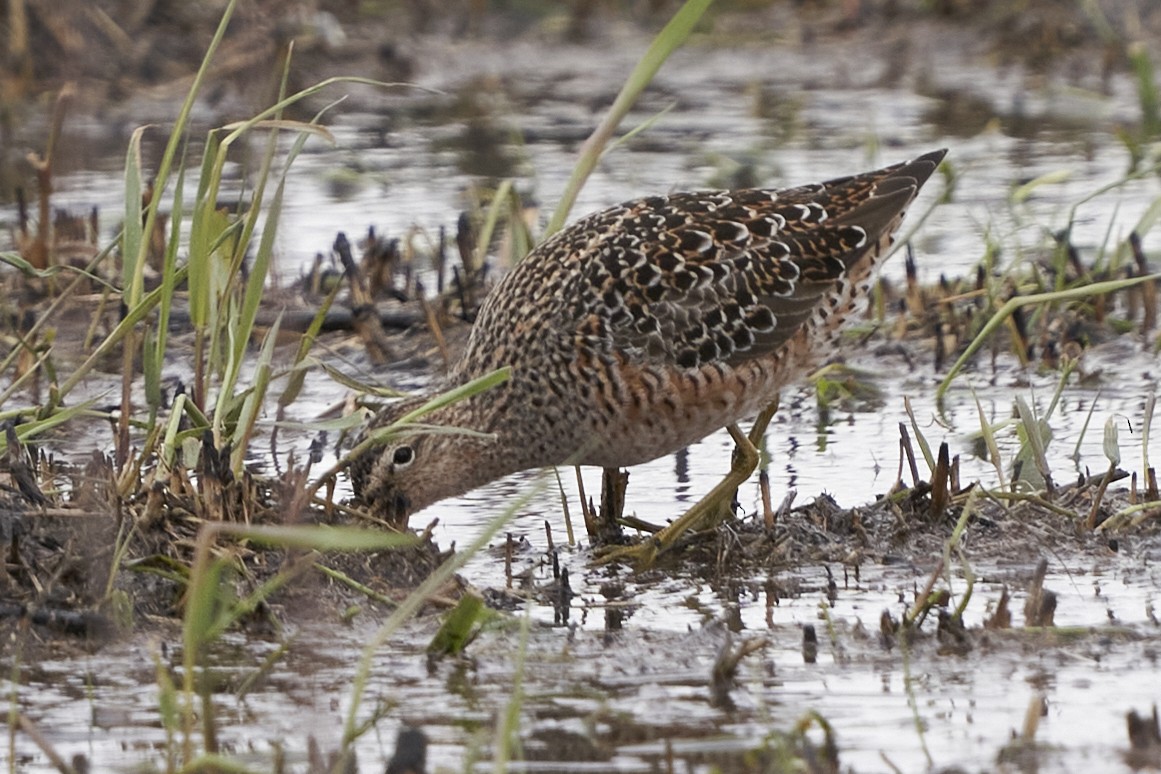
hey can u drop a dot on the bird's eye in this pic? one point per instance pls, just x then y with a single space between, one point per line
403 456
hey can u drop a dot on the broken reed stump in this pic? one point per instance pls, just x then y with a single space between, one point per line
366 319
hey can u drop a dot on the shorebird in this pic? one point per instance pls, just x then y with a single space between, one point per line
641 329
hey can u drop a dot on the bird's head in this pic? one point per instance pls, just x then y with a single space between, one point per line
406 467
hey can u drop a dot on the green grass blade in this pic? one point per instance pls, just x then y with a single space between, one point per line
990 441
667 41
1092 404
407 423
202 603
238 128
1066 369
26 431
161 179
920 438
132 318
351 382
416 599
255 398
255 283
499 200
335 425
1012 304
318 537
1146 89
169 274
1021 193
133 251
1149 218
205 227
640 128
151 369
383 434
1036 435
474 387
172 427
27 269
260 270
301 365
1104 189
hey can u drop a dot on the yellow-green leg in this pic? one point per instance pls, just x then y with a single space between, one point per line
711 509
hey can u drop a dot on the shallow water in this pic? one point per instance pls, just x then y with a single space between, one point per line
629 698
632 695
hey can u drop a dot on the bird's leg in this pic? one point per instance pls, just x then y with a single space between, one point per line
761 422
712 508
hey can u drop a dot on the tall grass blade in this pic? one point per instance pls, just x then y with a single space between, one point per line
1109 187
317 537
202 605
1150 217
1035 434
1146 90
56 417
256 281
1004 312
499 202
168 455
474 387
300 365
407 421
921 439
1066 368
27 269
254 400
151 369
351 382
161 179
667 41
1021 193
333 425
169 276
990 441
1084 427
1146 430
133 252
417 598
508 724
168 707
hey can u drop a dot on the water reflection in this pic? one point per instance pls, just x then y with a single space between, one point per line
681 475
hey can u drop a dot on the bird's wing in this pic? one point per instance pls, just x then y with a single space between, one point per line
725 276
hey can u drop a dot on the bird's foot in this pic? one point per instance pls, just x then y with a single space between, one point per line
641 555
710 511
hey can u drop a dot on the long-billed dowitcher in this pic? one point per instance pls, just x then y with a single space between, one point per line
645 327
